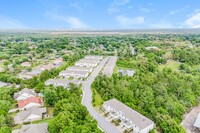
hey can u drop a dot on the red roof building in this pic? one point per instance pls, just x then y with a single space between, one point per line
30 102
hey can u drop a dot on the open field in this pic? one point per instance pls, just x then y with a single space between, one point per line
174 65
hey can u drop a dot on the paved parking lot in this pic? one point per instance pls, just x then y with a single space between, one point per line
189 120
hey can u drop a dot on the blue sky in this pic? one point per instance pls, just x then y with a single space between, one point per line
99 14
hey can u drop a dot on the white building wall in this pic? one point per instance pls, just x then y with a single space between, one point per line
147 129
30 105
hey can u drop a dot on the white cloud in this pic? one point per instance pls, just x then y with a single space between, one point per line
9 23
127 22
143 9
114 7
76 6
74 22
193 21
178 10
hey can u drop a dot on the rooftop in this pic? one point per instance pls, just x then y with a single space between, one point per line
58 81
74 72
34 128
23 103
25 90
197 122
22 115
137 118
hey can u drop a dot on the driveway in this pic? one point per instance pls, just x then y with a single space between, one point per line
87 100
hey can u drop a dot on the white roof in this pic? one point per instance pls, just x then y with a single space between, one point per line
2 84
197 122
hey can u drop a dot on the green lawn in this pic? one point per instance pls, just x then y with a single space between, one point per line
174 65
97 99
42 121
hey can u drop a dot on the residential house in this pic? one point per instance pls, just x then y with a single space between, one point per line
34 128
92 60
58 61
152 48
30 102
24 94
131 119
61 82
86 64
76 74
129 73
29 115
58 82
26 64
47 67
3 84
75 68
25 75
96 57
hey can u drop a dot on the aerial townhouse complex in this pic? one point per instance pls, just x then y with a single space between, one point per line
131 119
81 70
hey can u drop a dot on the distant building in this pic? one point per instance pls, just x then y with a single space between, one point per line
96 57
76 74
26 64
34 128
86 64
30 102
197 122
24 94
129 117
60 82
3 84
47 67
30 114
58 61
75 68
129 73
152 48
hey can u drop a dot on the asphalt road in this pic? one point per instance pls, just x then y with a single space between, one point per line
87 100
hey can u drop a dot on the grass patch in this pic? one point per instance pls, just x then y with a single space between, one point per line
42 121
17 127
97 99
50 111
174 65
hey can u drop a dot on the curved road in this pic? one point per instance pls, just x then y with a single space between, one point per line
87 100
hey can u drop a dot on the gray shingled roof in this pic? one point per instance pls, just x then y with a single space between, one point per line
25 90
137 118
2 84
34 128
79 68
22 115
73 71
